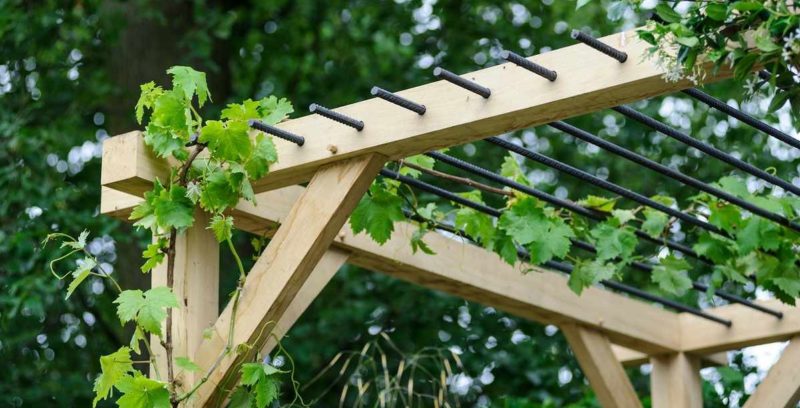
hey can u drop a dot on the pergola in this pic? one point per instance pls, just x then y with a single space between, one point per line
339 158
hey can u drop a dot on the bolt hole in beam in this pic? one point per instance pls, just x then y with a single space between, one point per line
560 266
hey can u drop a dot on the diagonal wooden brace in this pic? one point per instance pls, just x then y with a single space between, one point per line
282 269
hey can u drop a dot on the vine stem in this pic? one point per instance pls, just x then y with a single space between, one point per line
461 180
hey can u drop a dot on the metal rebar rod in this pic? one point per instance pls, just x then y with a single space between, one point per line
523 62
336 116
448 76
561 203
742 116
673 174
272 130
599 45
707 149
397 100
577 243
614 188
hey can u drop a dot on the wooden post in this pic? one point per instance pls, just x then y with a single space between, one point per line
283 268
604 372
196 286
781 387
675 381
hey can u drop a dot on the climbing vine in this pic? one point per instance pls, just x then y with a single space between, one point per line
214 163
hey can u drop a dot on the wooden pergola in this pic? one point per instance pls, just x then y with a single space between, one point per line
310 242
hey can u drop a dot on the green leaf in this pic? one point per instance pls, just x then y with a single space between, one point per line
654 222
187 364
789 286
241 111
218 192
744 66
189 81
138 336
263 156
262 379
113 368
476 224
623 216
376 214
241 399
78 244
714 247
667 13
734 185
757 233
688 41
266 391
725 216
173 209
586 274
672 275
164 142
418 244
511 169
274 110
421 161
613 242
128 304
598 203
747 5
717 11
154 255
222 227
139 391
148 308
149 93
80 274
228 141
171 113
545 236
503 245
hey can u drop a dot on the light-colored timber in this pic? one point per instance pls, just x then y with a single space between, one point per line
675 381
781 386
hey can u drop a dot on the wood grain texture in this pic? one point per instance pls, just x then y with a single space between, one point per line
675 381
588 81
282 269
608 379
196 286
633 358
781 387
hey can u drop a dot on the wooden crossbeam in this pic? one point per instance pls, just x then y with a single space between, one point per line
675 381
588 81
608 379
461 269
781 387
196 285
282 269
634 358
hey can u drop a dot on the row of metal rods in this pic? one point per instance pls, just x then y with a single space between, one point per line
614 188
561 266
594 215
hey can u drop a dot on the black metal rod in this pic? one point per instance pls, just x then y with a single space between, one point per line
448 76
560 266
272 130
561 203
599 46
529 65
469 167
614 188
397 100
707 149
673 174
742 116
336 116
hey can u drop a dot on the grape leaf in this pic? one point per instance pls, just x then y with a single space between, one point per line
149 93
654 222
222 227
128 304
544 236
113 368
586 274
420 160
714 247
274 110
139 391
218 193
672 275
189 81
376 214
623 216
171 113
417 242
173 209
80 274
511 169
613 242
725 216
757 233
264 155
164 142
148 308
154 254
241 111
187 364
228 141
598 203
477 225
262 378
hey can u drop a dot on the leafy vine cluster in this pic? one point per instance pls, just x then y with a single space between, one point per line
215 161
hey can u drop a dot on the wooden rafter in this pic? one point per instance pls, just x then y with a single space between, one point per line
283 268
781 387
608 379
587 81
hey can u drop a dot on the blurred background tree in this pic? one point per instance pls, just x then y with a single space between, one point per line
69 76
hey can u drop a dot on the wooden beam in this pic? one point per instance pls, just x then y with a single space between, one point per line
331 261
460 269
781 387
675 381
750 327
633 358
196 285
588 81
283 268
608 379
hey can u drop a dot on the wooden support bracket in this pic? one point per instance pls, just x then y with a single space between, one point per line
675 381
